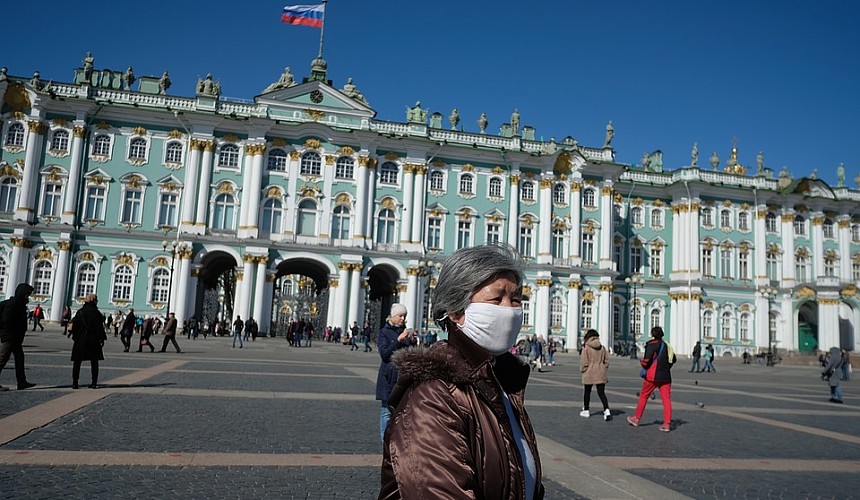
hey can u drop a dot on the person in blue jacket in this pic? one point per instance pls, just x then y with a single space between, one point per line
392 337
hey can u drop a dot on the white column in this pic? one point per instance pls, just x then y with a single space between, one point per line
786 330
412 296
540 311
606 227
265 320
408 203
544 254
247 286
828 320
201 217
514 210
576 223
402 298
573 311
247 174
254 187
679 261
676 320
359 230
26 210
260 290
759 253
604 315
762 321
355 297
331 316
70 202
61 280
342 303
181 275
370 205
419 204
291 205
788 278
189 192
844 235
17 270
817 251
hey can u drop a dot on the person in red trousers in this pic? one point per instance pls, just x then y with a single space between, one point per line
656 370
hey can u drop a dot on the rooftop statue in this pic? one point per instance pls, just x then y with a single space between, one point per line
694 155
454 119
840 175
88 66
515 122
783 174
128 78
857 181
610 133
814 174
482 123
285 81
415 114
714 160
759 161
350 90
164 83
208 87
646 161
3 72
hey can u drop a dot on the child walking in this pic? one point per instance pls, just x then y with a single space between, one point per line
594 365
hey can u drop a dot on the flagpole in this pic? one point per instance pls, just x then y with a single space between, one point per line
322 31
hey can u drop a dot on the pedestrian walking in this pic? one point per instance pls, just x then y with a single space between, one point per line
594 366
656 372
88 334
846 365
64 320
255 328
127 329
238 326
709 359
170 333
13 328
697 357
459 428
366 337
392 337
832 373
353 336
247 329
117 322
38 316
146 335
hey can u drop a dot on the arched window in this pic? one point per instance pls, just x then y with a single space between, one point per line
770 224
744 326
467 184
123 282
495 187
726 325
556 312
311 163
15 135
345 168
637 216
340 222
708 217
437 181
307 222
228 156
60 140
726 219
827 228
137 149
51 196
657 218
799 226
173 152
589 198
587 314
831 263
160 286
708 325
385 227
101 145
43 276
801 265
656 318
223 212
528 191
86 280
559 193
273 213
8 194
744 221
388 173
277 161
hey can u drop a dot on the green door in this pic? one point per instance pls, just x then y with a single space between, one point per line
807 337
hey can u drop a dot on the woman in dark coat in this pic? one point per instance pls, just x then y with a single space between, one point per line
392 337
88 333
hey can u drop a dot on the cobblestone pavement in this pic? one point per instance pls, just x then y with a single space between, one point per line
272 421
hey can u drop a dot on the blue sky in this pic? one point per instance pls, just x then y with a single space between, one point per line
782 77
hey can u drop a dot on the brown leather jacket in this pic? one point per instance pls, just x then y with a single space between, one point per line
449 435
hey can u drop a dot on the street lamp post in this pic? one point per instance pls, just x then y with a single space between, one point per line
634 282
769 293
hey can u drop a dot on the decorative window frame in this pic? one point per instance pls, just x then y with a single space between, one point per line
563 188
501 181
467 195
139 135
100 158
707 217
224 187
43 254
132 182
168 143
432 189
53 175
589 199
343 200
728 226
59 153
270 157
749 224
637 221
168 185
776 224
828 222
533 198
470 215
273 193
397 171
116 261
337 166
80 258
155 264
659 213
435 212
228 142
7 128
96 178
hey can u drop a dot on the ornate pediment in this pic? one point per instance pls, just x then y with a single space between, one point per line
316 96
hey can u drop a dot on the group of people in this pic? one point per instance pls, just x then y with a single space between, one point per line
359 336
697 359
300 330
244 331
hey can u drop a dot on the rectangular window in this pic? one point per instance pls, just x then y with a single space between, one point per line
434 233
558 244
707 262
526 241
51 200
131 208
726 263
855 270
656 262
636 259
95 205
167 209
773 266
494 233
744 266
588 248
527 311
464 233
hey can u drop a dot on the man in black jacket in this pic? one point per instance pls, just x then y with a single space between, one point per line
13 327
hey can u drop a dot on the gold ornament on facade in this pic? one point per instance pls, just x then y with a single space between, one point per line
388 203
515 179
346 150
342 199
186 254
17 99
849 291
438 163
638 201
278 142
774 249
818 220
828 302
225 187
528 221
248 258
802 252
170 186
561 167
314 114
333 282
527 290
606 191
103 125
98 180
343 266
64 246
174 134
546 183
294 155
412 271
309 192
312 143
498 170
468 167
134 181
240 276
575 186
745 308
160 261
273 192
436 212
250 149
421 170
138 130
9 171
800 207
588 295
195 273
589 227
207 146
804 292
86 256
574 284
391 156
844 223
708 245
787 217
263 259
124 259
230 138
727 203
606 287
543 282
402 288
37 127
727 245
657 244
44 253
356 267
60 122
658 203
79 131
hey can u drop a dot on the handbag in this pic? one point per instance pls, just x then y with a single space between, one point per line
642 371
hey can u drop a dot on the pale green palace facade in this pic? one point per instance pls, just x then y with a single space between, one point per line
301 202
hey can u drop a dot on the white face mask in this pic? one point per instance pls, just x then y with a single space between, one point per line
494 328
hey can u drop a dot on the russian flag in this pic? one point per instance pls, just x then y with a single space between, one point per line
304 15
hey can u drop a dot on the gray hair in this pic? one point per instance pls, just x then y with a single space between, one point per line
466 270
